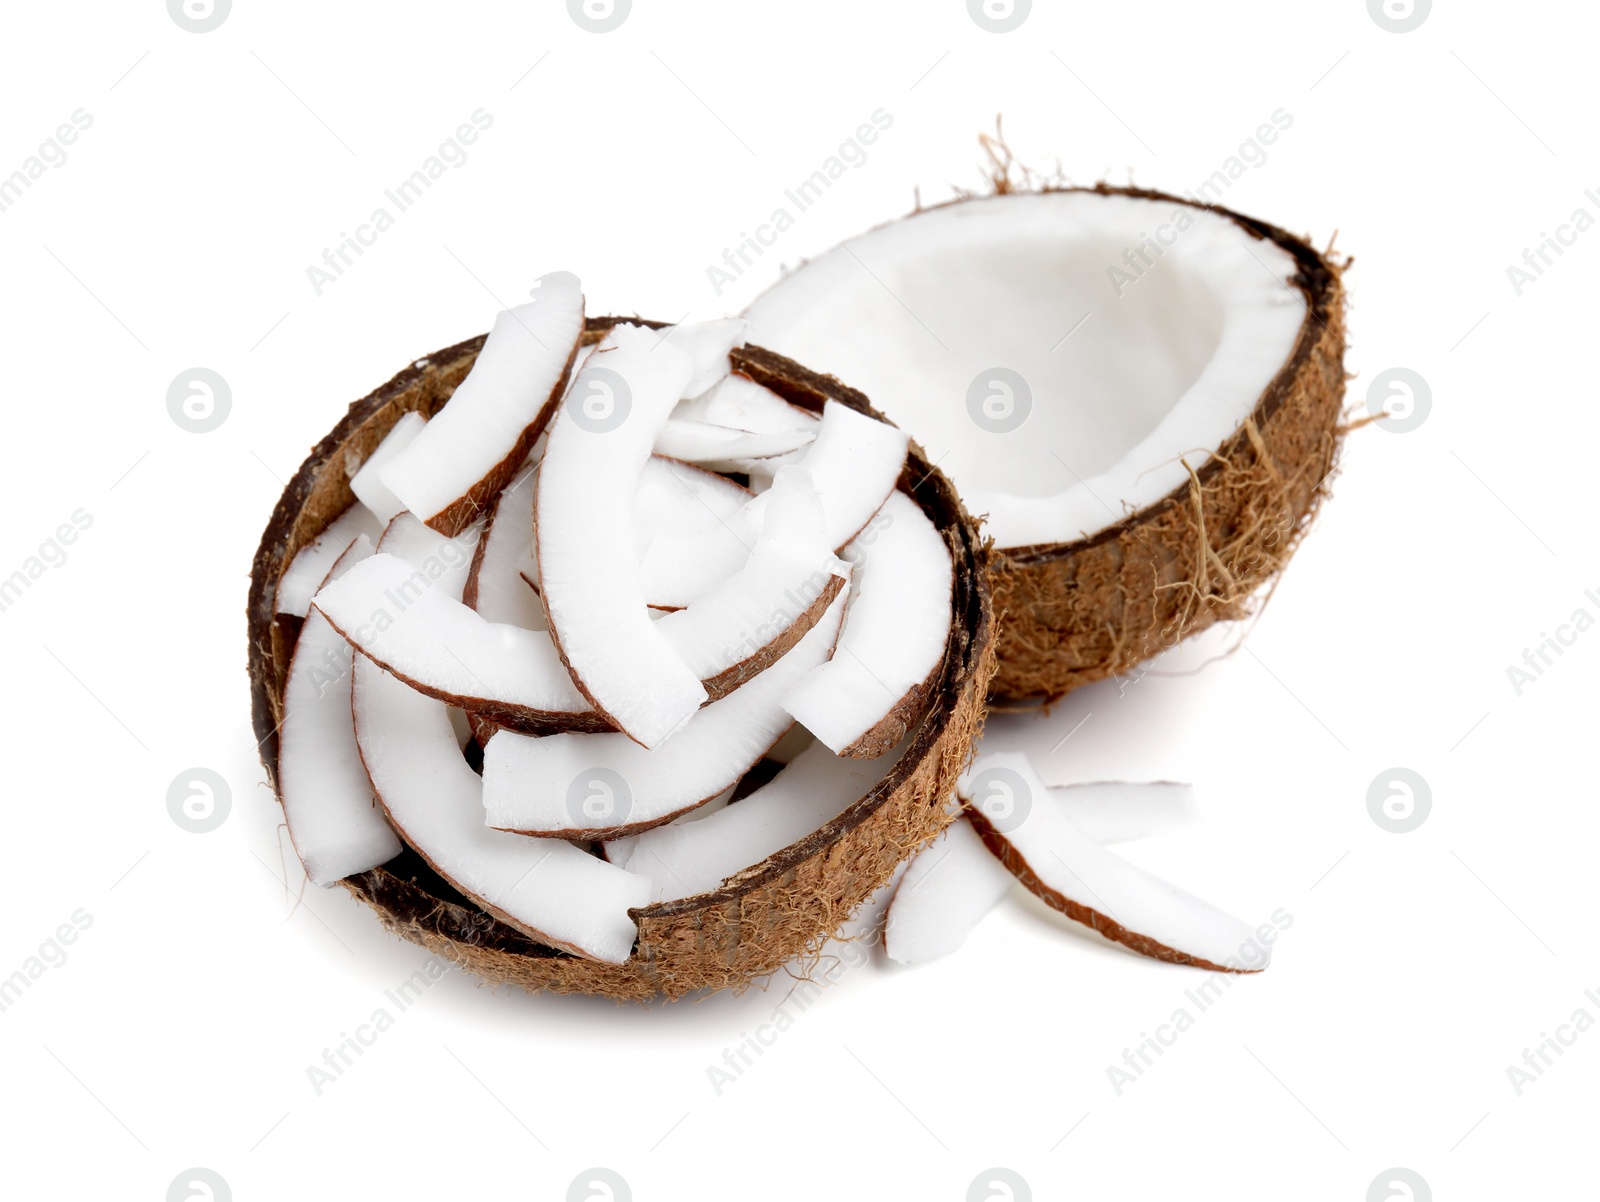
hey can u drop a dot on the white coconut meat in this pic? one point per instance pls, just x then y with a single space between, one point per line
334 822
618 850
895 638
1112 339
707 343
947 890
312 562
445 563
589 575
855 462
394 615
1110 811
498 408
367 483
739 403
818 786
723 449
1056 859
550 890
731 632
498 587
678 498
545 786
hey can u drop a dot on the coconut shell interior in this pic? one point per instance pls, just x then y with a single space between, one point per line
1072 613
770 914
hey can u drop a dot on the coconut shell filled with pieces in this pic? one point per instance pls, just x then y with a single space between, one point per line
767 915
1129 537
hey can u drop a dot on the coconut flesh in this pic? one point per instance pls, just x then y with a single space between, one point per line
532 608
1081 362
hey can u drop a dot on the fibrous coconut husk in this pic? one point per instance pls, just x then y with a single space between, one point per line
768 915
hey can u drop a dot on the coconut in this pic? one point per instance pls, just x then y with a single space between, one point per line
784 907
1141 395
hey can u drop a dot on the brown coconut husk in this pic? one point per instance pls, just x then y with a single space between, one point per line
1076 612
782 909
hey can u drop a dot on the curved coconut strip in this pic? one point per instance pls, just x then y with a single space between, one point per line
1120 339
675 497
391 613
604 786
445 563
311 565
367 484
718 447
335 825
861 702
550 890
739 403
947 890
474 445
742 625
617 851
684 860
774 911
589 576
1110 811
707 343
503 567
854 462
1057 860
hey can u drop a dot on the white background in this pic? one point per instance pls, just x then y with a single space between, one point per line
1418 967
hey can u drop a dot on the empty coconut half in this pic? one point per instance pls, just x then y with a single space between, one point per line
417 640
1138 394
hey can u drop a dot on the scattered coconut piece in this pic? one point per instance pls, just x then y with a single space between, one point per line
1011 808
707 343
311 564
860 702
367 483
391 613
1122 811
675 497
753 617
617 851
678 568
504 566
604 786
334 823
948 888
475 444
855 462
812 790
739 403
549 890
446 563
721 449
589 577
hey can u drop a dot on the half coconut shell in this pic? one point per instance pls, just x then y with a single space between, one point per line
773 912
1078 610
